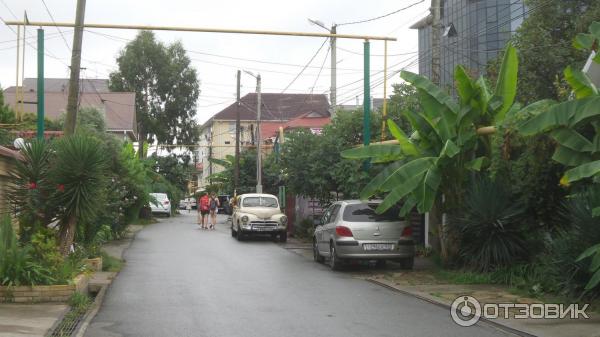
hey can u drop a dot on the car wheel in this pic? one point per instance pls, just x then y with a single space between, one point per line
334 261
380 263
283 237
407 263
239 234
316 255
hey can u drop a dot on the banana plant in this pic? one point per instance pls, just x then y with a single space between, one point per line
575 124
445 144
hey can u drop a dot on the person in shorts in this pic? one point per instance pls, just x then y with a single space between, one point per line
204 210
214 208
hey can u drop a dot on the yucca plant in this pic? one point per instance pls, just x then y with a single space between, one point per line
31 189
78 170
489 227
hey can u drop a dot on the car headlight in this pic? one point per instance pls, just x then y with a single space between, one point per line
245 218
283 220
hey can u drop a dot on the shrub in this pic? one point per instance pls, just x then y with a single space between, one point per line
17 263
488 227
304 229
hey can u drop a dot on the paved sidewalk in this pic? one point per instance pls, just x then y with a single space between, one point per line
29 320
421 285
35 320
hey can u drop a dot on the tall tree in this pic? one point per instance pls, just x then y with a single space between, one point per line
166 87
544 41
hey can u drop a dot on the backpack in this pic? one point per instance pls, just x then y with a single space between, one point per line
204 204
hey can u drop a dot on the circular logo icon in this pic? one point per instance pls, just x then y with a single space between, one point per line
465 311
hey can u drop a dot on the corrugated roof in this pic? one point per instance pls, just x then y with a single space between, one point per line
277 107
119 107
62 84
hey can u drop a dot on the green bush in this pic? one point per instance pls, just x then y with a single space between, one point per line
18 265
488 227
304 229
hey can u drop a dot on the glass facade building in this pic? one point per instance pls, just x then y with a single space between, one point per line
473 33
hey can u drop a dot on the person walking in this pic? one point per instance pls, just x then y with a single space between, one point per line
214 208
203 210
188 204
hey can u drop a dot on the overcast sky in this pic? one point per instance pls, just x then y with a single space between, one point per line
217 73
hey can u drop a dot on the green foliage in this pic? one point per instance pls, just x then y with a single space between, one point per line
166 87
110 263
445 145
304 229
31 188
574 125
80 301
89 119
551 24
312 165
489 227
17 263
404 97
78 168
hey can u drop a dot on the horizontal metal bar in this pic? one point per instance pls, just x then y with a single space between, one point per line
198 29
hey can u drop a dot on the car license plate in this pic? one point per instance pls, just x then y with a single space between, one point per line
378 246
263 229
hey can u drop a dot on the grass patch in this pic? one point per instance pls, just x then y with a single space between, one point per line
463 277
110 263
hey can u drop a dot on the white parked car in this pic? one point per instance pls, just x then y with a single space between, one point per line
162 204
258 214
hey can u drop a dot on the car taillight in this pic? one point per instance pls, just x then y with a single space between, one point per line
343 231
407 231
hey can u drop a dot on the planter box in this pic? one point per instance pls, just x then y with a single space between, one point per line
35 294
95 264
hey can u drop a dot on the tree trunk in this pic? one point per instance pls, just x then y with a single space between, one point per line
67 234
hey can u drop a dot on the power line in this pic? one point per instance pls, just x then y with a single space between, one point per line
52 18
382 16
307 64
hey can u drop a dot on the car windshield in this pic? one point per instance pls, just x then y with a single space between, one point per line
259 202
366 213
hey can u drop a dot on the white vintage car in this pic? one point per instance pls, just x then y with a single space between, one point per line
258 214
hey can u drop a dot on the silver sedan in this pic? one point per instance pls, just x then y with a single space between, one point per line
352 230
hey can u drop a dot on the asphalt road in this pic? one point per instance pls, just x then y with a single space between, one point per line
182 281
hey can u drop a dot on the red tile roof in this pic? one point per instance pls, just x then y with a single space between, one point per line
277 106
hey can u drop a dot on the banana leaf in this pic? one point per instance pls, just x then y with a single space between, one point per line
407 146
583 171
580 83
378 151
506 86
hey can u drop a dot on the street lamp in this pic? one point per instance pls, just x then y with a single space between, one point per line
258 145
333 90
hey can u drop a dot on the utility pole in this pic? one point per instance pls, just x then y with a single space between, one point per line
258 145
236 174
333 94
40 84
367 99
71 119
435 41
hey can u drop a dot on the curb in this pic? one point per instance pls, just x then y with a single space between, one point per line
495 324
91 313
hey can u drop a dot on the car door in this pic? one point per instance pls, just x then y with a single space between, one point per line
320 230
329 227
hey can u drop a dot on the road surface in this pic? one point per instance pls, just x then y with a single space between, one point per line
182 281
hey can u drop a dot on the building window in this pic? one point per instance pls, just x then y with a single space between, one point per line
227 142
231 127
